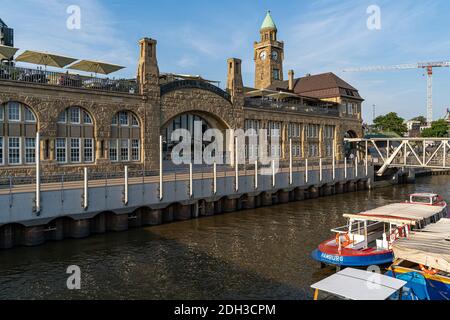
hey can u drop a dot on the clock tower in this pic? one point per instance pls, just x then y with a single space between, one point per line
269 55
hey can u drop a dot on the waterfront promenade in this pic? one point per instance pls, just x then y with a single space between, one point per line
76 206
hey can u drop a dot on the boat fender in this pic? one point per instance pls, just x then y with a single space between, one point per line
429 271
347 241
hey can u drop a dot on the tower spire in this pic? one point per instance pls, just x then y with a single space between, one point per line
268 22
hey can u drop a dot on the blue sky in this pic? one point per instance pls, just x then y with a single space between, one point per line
197 37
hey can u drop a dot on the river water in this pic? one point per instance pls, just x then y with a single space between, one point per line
255 254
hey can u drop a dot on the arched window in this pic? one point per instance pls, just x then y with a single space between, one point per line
75 137
18 127
125 142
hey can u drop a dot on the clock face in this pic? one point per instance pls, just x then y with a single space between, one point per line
275 55
263 55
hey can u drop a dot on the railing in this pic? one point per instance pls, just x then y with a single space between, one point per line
38 76
291 106
193 84
181 173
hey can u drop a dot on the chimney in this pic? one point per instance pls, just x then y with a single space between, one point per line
235 87
148 71
291 80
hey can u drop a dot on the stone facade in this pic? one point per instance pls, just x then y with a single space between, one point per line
155 105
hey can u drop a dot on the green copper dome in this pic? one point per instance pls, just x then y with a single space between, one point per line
268 22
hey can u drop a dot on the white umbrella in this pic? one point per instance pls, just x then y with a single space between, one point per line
6 52
95 67
282 95
45 59
259 93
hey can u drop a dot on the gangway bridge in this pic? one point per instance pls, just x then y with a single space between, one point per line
426 153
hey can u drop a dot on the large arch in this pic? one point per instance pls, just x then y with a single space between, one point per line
208 103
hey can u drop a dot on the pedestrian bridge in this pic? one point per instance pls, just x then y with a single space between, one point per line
426 153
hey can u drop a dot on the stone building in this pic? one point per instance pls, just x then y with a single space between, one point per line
104 124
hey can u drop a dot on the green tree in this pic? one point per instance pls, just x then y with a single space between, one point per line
391 122
421 119
438 129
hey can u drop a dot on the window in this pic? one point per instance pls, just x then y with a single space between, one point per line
135 150
274 128
74 144
29 116
124 154
74 115
1 151
349 108
30 150
74 150
313 150
19 148
134 121
127 148
88 150
62 118
86 118
61 156
123 118
276 74
14 155
113 150
13 111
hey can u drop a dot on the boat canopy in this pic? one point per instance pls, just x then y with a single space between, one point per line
355 284
398 213
429 246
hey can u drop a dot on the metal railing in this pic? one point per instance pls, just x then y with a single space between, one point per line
180 173
291 106
39 76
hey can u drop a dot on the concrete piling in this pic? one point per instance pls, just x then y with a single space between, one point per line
182 212
167 214
299 194
229 205
33 236
98 224
283 196
313 192
250 202
7 236
152 217
117 222
77 229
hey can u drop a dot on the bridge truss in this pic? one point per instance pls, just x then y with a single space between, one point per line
426 153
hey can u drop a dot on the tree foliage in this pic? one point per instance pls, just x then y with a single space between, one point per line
391 122
421 119
438 129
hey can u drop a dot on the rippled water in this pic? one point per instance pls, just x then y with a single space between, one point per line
255 254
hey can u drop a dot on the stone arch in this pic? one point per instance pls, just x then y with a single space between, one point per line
201 101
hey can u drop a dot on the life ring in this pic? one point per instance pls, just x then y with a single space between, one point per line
429 271
347 241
